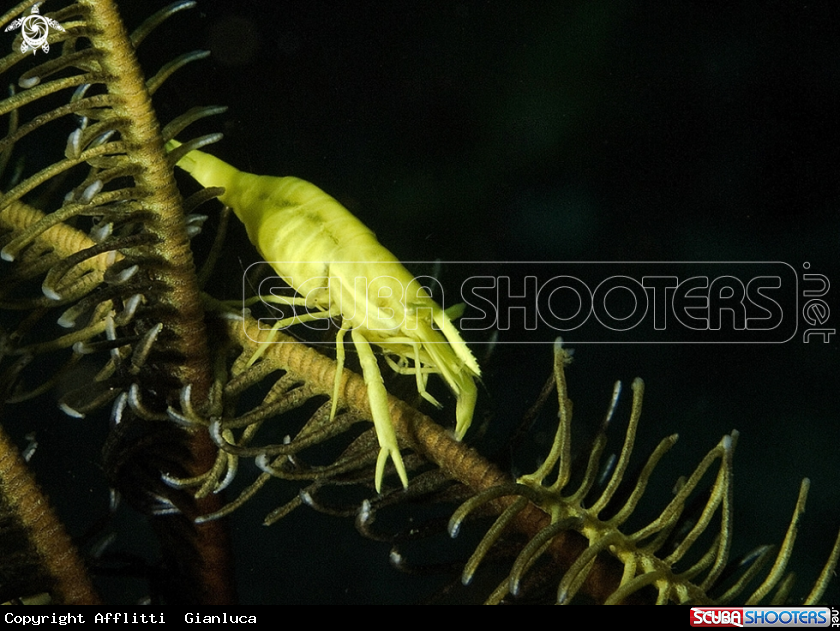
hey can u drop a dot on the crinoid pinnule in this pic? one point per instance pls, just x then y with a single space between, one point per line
669 554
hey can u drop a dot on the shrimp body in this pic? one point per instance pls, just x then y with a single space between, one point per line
338 269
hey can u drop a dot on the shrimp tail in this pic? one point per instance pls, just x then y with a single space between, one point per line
239 186
206 169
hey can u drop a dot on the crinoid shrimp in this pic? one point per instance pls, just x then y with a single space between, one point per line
339 270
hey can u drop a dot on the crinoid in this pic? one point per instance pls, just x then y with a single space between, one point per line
669 554
105 273
101 306
150 387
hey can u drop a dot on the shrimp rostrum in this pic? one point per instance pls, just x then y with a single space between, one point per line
339 270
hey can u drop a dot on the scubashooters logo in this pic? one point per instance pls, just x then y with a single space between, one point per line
584 302
630 302
760 617
35 29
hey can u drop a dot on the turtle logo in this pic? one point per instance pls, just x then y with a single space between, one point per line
34 28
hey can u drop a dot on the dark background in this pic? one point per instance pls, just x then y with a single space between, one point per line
552 131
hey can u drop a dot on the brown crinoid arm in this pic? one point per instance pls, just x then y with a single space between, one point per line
172 270
47 560
135 286
161 199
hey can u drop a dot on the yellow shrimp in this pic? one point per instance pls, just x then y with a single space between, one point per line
338 268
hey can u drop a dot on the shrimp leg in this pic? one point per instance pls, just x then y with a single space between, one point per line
287 322
420 372
339 364
378 398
